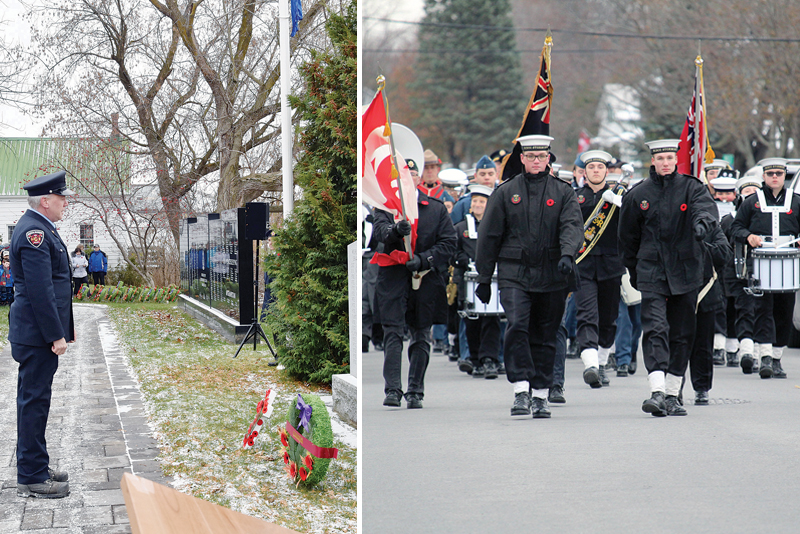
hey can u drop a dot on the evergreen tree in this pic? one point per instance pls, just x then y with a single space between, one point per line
310 268
468 84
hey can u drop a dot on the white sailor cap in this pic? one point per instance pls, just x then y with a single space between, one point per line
478 189
724 185
663 145
773 163
596 156
556 167
717 164
534 142
565 175
453 177
751 177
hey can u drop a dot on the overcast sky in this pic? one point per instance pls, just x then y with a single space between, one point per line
15 31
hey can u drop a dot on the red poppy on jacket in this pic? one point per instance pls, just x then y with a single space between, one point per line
683 207
550 201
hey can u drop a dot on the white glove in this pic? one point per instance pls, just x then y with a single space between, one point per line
609 196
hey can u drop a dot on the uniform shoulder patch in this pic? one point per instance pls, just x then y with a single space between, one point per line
516 199
35 237
581 199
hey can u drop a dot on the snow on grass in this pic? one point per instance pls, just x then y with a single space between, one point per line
200 402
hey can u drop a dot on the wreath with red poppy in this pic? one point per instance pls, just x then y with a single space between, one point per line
307 440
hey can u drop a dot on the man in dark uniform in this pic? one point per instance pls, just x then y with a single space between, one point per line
663 220
40 326
601 272
399 304
532 230
482 332
754 225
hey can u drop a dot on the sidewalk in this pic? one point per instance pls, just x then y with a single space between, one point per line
97 430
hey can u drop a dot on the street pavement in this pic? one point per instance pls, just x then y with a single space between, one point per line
462 464
97 430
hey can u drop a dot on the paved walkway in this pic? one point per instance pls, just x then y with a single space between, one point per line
97 431
600 465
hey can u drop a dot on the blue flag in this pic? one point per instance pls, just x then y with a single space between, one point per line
297 15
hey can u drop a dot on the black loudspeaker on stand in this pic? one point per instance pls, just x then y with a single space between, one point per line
256 228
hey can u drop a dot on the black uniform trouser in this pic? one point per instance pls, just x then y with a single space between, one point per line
745 313
419 352
701 361
721 321
530 343
774 318
483 338
668 325
370 278
37 366
597 304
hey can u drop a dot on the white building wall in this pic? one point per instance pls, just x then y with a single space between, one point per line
12 208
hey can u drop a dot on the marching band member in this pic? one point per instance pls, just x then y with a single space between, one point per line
601 271
773 311
485 174
725 341
483 333
744 304
663 219
532 230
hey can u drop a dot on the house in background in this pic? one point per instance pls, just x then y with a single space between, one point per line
92 171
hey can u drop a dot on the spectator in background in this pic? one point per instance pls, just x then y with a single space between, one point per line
98 265
6 282
79 274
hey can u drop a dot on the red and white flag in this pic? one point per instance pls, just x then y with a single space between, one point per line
694 149
382 184
584 142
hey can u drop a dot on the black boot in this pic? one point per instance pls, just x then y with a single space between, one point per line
733 359
478 371
592 377
766 367
364 343
539 408
673 406
777 369
490 368
622 370
632 366
655 405
719 356
701 397
747 363
522 404
604 381
465 366
556 395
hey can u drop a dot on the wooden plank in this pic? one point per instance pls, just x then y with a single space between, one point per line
156 509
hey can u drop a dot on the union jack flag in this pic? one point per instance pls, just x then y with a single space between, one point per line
694 148
537 115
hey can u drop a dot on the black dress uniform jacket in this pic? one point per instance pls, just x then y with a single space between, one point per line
604 261
41 267
751 220
531 221
717 256
436 244
656 232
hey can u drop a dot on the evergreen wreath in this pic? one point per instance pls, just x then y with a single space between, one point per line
307 440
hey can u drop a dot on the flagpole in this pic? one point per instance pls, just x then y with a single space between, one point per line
395 168
698 116
286 112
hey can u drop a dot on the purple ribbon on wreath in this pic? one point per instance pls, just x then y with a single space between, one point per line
305 412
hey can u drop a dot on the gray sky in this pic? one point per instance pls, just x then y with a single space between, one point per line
15 31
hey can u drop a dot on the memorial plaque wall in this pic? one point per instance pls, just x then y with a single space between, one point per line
223 247
198 259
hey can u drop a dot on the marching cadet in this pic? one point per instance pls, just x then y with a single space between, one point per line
716 255
663 220
485 174
400 305
601 271
532 230
713 169
744 303
725 341
40 327
483 333
773 311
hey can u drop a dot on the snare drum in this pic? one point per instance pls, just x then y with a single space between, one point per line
473 305
777 269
